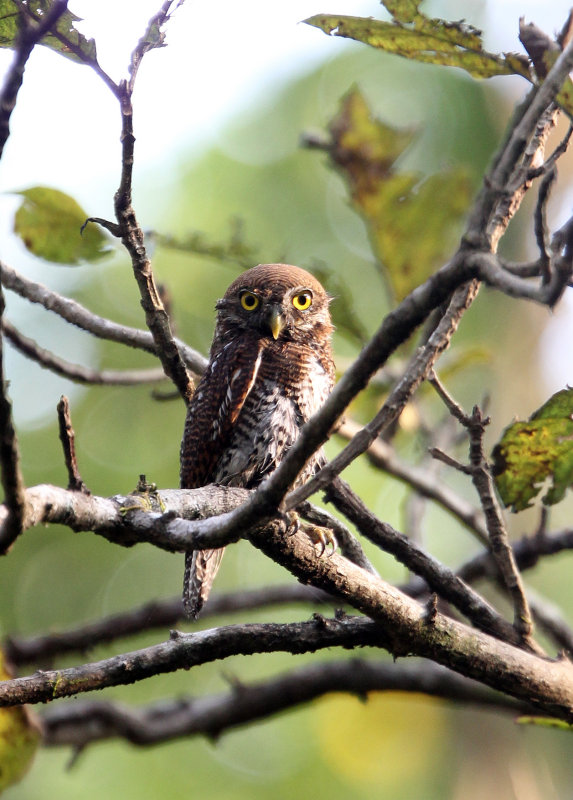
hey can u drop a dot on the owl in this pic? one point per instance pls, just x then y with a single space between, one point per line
270 368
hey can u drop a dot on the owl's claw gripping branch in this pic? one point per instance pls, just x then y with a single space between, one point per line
324 538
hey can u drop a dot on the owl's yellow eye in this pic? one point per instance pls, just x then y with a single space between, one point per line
302 301
249 301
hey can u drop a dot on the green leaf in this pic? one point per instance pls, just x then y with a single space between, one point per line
64 39
394 204
432 41
49 223
531 453
545 722
19 738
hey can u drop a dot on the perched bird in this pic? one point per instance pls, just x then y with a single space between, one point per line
270 368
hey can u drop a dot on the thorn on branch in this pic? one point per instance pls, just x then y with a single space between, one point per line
67 438
449 461
112 227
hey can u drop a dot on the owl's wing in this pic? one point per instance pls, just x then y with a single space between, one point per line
212 413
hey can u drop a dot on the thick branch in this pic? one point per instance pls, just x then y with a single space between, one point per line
438 577
401 626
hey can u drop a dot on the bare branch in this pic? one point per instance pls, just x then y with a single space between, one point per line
156 615
74 313
28 38
67 437
438 577
129 230
383 455
77 372
402 626
415 373
12 481
498 536
78 724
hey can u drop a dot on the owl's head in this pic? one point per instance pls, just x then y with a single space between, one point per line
278 301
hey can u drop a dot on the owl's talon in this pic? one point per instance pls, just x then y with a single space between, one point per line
292 523
323 537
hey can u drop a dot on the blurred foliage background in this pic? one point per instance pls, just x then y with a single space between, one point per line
283 202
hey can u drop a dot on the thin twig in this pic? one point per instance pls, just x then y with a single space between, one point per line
76 314
129 229
483 481
67 438
28 38
383 455
77 372
540 222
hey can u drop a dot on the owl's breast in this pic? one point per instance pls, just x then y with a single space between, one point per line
267 426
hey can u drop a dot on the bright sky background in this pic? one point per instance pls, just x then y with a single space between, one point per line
220 56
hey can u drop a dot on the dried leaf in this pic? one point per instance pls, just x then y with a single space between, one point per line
411 221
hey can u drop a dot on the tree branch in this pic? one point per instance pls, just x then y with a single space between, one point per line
400 625
12 480
483 481
74 313
383 456
156 615
77 372
81 723
28 38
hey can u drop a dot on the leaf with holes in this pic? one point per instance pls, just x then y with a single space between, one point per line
413 35
64 38
531 453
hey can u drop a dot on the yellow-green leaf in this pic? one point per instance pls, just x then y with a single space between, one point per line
49 222
533 452
394 204
65 40
432 41
19 737
546 722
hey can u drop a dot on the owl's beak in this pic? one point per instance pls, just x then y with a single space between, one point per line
276 321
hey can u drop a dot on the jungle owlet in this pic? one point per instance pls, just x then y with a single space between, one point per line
270 368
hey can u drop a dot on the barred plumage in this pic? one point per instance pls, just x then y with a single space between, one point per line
270 369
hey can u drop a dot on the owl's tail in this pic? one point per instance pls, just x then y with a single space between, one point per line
201 566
